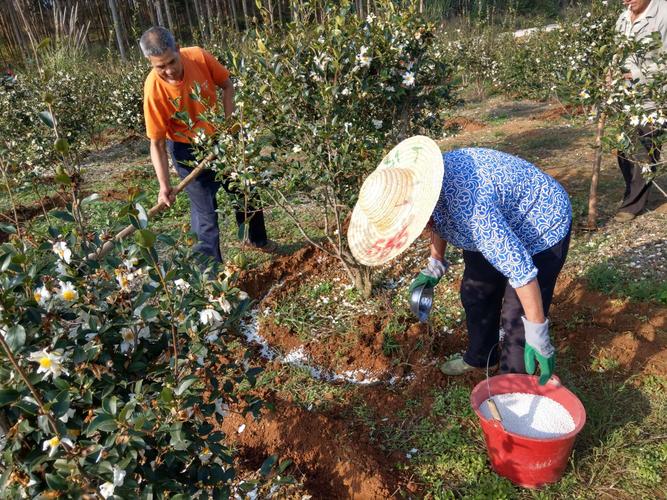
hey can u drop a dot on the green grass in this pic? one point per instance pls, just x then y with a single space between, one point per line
611 279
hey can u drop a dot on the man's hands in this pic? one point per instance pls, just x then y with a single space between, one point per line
166 195
538 347
431 274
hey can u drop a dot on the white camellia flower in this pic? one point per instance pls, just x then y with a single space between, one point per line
243 295
408 79
205 455
209 316
377 124
182 285
50 363
118 476
107 489
67 291
123 280
61 269
130 263
53 443
363 59
129 340
41 295
61 249
68 414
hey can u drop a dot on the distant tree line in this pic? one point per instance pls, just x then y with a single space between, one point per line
117 24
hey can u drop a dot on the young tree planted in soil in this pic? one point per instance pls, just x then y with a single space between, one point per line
320 103
595 78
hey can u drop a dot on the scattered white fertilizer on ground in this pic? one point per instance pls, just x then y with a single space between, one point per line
531 415
298 357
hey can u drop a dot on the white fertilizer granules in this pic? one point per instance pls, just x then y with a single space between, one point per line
531 415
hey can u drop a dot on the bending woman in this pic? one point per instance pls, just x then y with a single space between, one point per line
513 223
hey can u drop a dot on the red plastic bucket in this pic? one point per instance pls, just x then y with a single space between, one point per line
526 461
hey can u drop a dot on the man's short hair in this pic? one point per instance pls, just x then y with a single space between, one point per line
156 41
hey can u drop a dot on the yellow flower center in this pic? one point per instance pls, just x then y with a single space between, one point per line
54 441
37 296
45 362
69 295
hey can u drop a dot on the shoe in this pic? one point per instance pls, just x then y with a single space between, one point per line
456 366
624 217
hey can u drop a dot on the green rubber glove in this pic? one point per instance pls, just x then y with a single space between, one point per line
538 347
430 275
547 364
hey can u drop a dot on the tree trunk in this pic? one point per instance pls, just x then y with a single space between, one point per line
151 12
209 10
188 15
235 19
117 29
200 19
170 22
591 222
158 11
361 278
246 22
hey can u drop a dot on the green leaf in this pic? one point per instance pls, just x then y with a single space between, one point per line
6 228
167 394
142 216
268 464
284 465
8 396
56 482
103 422
90 199
110 405
43 44
187 382
15 337
145 238
149 312
66 216
47 118
27 407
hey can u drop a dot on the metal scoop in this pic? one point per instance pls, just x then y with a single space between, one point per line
421 301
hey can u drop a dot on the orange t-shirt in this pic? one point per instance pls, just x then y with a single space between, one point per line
198 67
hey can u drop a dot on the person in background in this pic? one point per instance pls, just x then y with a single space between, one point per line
513 223
640 20
167 91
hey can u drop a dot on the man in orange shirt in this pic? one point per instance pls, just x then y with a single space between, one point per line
167 91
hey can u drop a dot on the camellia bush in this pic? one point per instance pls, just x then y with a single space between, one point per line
321 102
116 372
86 99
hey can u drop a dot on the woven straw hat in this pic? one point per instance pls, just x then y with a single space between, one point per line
396 201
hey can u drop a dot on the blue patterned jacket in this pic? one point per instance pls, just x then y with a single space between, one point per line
502 206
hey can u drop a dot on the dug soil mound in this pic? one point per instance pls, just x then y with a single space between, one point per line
337 461
334 452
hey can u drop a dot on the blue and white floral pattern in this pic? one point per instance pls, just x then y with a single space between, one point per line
502 206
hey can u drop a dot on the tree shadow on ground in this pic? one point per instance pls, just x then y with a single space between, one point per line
549 146
606 347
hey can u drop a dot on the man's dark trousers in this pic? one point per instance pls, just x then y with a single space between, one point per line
203 206
490 302
636 187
